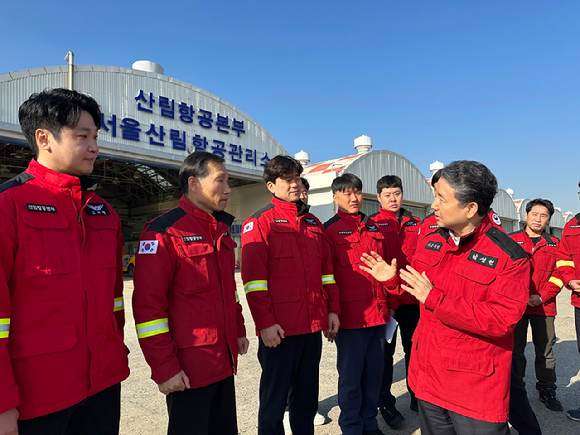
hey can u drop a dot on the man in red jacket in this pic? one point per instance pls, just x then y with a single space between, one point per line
541 311
62 356
400 230
363 306
187 312
292 295
568 266
472 282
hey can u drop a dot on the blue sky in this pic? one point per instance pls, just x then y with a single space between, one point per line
494 81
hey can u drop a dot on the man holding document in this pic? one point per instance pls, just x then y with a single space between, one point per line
472 282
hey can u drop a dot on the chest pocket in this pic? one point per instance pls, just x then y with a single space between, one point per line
426 259
197 263
102 237
349 249
283 241
48 245
314 241
476 280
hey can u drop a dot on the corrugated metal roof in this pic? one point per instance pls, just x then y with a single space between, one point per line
504 206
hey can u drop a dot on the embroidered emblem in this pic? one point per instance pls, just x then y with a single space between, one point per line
97 210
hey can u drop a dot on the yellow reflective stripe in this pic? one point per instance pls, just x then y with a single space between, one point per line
4 328
328 279
253 286
556 281
562 263
119 304
237 297
151 328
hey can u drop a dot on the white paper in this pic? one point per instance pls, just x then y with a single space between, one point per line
390 329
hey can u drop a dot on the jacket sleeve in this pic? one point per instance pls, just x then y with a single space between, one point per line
255 253
328 279
496 316
552 287
564 263
153 275
119 305
9 397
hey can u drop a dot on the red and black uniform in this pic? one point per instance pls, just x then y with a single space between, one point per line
61 293
364 310
400 241
185 303
545 283
465 335
568 258
288 281
187 313
363 301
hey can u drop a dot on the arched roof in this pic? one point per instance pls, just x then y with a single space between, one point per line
503 205
371 166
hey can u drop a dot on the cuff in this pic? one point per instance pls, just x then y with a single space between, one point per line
166 371
265 321
433 299
9 399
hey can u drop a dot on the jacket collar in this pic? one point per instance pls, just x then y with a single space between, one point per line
356 218
299 208
484 225
59 180
216 216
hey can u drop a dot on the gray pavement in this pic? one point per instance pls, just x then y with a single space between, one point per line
144 411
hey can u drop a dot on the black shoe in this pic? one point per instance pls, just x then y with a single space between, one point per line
392 417
413 406
377 431
548 396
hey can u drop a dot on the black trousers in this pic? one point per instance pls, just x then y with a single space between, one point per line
407 316
522 416
289 374
435 420
206 410
577 322
98 414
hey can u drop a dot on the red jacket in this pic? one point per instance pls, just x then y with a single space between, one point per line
568 258
400 240
544 280
185 303
363 301
286 269
61 293
462 347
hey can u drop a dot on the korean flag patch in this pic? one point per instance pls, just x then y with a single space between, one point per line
148 246
496 220
248 227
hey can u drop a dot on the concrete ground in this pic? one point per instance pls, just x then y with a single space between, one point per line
144 411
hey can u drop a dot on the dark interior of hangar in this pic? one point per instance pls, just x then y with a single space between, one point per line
138 192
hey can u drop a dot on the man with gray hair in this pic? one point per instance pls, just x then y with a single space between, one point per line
472 282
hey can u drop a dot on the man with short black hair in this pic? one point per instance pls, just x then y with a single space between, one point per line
363 305
568 266
62 356
541 310
292 295
187 312
472 282
400 230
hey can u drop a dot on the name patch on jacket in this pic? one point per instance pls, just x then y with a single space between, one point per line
520 242
344 233
41 208
434 246
193 238
373 228
226 234
484 260
383 224
281 221
432 227
553 245
411 224
310 221
571 226
97 210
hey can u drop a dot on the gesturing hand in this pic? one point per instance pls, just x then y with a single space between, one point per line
377 267
416 283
